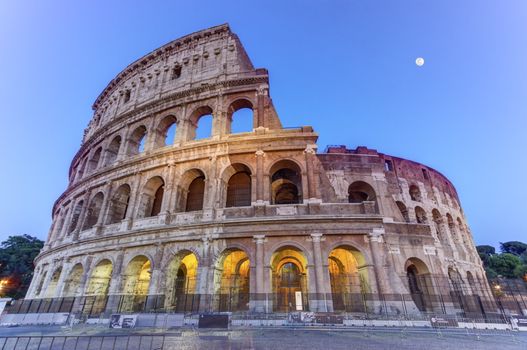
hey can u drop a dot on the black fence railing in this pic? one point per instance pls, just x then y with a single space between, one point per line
361 304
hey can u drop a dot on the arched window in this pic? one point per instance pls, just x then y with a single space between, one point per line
113 150
94 210
152 197
240 117
76 215
196 192
403 210
415 194
201 122
94 161
137 141
238 186
420 215
166 131
119 204
239 190
360 191
286 183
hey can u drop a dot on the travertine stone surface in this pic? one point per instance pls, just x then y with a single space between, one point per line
107 217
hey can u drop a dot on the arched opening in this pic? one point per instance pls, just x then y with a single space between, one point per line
119 204
419 283
286 183
360 191
166 131
98 287
82 168
75 217
415 194
181 283
113 150
457 288
135 285
201 122
452 228
462 231
289 278
195 194
152 197
403 210
420 215
72 283
438 220
348 278
93 212
240 117
53 283
99 282
231 281
94 161
136 143
238 186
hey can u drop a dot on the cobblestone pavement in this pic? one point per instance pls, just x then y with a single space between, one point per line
98 338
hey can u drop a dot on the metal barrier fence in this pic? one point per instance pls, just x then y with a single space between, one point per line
107 342
365 304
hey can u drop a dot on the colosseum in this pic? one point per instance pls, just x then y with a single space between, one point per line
158 217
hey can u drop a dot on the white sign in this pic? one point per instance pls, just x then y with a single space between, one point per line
298 301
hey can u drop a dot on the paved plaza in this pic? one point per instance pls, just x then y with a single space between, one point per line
98 338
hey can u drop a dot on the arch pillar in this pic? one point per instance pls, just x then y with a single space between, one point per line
103 214
318 303
115 288
259 183
258 299
312 183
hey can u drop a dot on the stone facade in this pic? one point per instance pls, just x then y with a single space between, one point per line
244 221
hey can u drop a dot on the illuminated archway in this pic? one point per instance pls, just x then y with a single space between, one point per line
232 281
72 283
181 283
289 279
136 283
348 278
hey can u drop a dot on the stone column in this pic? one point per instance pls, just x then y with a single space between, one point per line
258 298
259 176
82 216
311 181
203 272
101 220
154 288
63 275
114 290
166 205
376 241
319 304
133 206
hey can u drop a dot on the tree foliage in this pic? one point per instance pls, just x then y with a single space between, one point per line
513 247
510 263
16 264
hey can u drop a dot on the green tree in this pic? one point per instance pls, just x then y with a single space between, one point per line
513 247
16 264
485 252
505 264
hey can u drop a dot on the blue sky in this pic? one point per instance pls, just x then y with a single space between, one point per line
345 67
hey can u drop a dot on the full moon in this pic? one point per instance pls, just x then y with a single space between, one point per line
420 61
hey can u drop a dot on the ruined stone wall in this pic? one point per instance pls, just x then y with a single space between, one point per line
129 191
